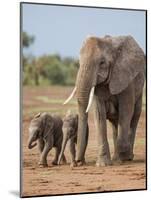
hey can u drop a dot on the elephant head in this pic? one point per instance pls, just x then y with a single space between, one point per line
112 61
34 131
70 126
40 126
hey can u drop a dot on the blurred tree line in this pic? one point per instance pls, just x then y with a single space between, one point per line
47 69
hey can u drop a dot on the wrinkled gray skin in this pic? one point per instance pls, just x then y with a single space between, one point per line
70 128
47 130
115 67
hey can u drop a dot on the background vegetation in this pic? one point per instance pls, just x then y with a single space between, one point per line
47 69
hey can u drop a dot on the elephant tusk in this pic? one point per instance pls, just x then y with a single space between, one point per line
90 99
70 97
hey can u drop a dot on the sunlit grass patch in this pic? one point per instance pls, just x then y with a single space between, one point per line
46 99
140 141
33 111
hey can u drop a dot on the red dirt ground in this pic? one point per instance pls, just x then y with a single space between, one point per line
89 178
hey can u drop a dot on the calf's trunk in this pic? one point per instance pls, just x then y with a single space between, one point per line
62 149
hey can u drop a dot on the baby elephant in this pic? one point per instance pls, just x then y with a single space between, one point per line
47 130
70 127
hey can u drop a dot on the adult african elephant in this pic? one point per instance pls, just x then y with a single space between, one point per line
112 73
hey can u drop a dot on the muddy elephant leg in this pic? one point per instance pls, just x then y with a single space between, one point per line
43 156
57 152
64 160
126 109
133 126
56 157
40 145
72 152
104 157
123 144
115 134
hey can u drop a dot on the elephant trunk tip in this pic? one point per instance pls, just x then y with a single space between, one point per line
30 146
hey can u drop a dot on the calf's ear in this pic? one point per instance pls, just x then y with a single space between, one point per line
48 125
37 115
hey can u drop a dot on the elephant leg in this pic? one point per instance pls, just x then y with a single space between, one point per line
43 157
40 145
104 157
57 152
115 134
126 110
64 160
133 126
72 152
87 137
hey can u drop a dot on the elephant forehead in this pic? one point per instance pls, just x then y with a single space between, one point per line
33 128
67 123
66 129
90 47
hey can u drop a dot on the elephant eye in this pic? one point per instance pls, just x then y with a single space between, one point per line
38 131
102 62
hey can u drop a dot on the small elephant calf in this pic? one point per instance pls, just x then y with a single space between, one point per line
70 128
47 130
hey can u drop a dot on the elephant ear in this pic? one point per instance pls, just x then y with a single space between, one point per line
76 122
129 62
37 115
47 125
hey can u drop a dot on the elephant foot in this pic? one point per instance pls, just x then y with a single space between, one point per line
41 165
73 164
63 162
54 162
126 156
103 161
116 159
124 151
131 156
81 163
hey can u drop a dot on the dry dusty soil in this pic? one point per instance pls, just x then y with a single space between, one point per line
89 178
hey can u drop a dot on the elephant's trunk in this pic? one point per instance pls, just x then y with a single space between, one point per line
31 144
62 149
81 139
85 83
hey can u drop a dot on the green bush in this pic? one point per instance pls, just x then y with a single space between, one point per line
50 69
